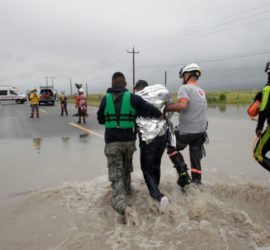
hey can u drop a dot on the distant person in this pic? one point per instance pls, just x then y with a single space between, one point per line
263 145
191 130
118 111
34 103
63 103
81 104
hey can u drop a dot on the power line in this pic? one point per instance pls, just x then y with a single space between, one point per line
155 41
224 58
199 28
106 58
202 27
194 34
210 60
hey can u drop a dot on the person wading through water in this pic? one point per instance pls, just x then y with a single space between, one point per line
191 130
263 145
118 111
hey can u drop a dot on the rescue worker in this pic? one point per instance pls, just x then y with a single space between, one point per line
34 103
191 130
263 145
63 103
81 104
118 111
151 151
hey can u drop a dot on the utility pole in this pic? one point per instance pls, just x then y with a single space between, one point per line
70 82
86 89
133 52
165 78
52 77
46 80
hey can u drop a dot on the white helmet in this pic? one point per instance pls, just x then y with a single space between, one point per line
193 67
81 90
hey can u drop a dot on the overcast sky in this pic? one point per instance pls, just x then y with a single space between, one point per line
87 40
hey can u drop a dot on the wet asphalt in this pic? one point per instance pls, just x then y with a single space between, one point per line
47 151
52 150
16 122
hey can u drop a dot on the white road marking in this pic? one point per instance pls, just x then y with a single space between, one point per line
86 130
42 110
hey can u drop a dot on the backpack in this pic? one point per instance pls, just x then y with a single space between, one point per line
254 109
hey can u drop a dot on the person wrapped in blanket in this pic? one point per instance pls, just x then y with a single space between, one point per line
155 135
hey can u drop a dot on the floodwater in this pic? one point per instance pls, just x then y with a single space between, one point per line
55 195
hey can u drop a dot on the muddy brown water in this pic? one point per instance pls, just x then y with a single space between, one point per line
55 194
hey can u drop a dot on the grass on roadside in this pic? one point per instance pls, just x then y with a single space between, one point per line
213 97
228 97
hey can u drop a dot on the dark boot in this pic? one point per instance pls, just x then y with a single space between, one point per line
183 177
180 166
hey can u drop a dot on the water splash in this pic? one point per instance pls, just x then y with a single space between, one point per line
78 216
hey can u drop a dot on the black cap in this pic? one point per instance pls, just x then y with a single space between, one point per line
140 84
117 74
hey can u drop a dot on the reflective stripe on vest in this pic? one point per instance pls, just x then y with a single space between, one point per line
126 118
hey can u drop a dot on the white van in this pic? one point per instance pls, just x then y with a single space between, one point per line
8 93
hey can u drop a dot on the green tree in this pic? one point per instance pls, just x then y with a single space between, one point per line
222 98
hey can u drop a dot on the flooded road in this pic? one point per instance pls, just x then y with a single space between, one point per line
30 164
55 194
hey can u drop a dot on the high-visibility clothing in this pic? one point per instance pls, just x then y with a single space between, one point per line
34 98
124 119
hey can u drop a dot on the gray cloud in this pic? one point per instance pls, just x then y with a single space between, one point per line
88 40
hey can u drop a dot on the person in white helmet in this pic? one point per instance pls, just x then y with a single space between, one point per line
191 130
81 104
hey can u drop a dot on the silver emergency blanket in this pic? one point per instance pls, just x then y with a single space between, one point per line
150 128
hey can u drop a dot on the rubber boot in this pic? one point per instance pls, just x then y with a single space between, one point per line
183 176
180 166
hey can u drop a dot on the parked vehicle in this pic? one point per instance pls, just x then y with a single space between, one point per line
9 93
47 95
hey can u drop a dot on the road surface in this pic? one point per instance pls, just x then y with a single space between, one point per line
16 124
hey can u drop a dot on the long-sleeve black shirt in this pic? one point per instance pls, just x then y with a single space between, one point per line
142 108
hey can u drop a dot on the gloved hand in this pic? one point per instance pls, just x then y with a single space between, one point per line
258 132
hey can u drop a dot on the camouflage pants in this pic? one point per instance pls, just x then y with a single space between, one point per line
119 156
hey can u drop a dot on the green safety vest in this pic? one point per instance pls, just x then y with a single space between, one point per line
126 118
265 97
